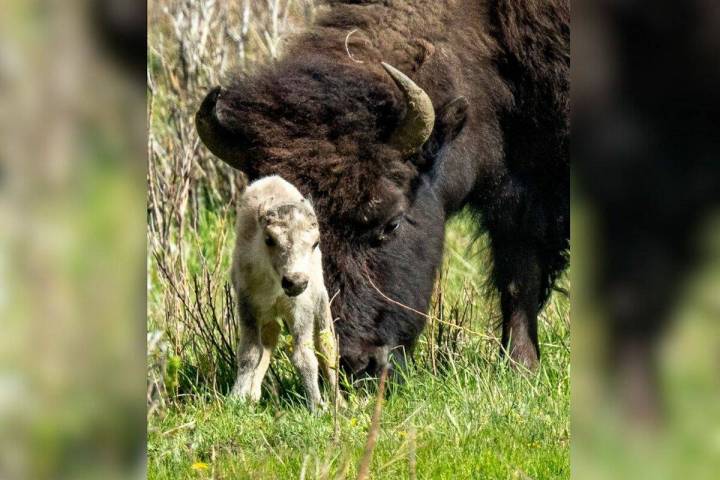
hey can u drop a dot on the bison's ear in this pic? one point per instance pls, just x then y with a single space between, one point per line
451 119
448 125
228 145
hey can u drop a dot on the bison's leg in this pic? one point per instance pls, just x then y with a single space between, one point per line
249 355
518 277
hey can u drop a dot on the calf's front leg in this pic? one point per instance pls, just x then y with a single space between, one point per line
303 356
249 356
269 334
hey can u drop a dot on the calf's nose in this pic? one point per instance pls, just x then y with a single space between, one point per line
294 284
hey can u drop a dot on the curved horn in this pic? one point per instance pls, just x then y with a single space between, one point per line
222 142
416 127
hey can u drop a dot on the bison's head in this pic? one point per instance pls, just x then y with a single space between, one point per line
358 140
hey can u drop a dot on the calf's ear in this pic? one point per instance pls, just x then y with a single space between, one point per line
449 122
265 214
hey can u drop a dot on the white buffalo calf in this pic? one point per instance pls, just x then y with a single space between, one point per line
277 275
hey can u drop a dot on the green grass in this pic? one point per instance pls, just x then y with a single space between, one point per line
470 415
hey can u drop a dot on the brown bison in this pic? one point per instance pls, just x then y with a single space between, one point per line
394 115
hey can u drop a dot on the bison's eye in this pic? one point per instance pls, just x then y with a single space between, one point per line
388 230
269 241
392 225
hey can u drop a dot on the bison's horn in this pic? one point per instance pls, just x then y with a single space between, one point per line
225 144
416 127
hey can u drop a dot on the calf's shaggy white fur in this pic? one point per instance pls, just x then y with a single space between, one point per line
277 276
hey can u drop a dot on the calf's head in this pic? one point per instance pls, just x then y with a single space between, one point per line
290 240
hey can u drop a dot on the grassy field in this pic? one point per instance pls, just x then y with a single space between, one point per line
460 412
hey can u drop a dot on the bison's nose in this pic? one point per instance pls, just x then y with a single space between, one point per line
294 284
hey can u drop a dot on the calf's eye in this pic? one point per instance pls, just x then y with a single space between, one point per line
316 245
269 241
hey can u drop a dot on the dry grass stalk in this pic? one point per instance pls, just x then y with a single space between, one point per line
336 394
412 448
366 460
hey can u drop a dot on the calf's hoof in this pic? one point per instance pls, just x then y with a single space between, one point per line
317 407
241 395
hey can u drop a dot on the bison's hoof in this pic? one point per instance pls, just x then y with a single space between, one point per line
525 357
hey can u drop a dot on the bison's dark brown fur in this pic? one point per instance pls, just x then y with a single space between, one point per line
497 73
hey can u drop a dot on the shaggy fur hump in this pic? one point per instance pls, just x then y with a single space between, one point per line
535 36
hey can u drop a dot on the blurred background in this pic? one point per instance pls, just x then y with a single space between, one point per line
645 239
72 256
74 212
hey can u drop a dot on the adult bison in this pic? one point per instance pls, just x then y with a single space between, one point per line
480 120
